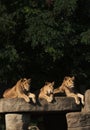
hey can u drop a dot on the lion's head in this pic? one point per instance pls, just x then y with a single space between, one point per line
69 81
48 88
24 83
46 92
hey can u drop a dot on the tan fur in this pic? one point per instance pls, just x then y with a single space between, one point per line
20 90
66 87
46 92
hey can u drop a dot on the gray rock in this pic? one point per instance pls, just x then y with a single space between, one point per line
19 105
78 119
17 121
87 101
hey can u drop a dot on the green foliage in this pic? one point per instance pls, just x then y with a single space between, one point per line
85 37
65 7
8 59
49 40
6 26
8 54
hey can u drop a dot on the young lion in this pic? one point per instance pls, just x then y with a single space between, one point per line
20 90
66 87
46 92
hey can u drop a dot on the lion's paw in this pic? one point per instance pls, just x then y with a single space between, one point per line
27 100
49 99
34 100
77 102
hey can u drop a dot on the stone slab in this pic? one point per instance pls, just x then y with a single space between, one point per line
78 119
17 121
19 105
87 101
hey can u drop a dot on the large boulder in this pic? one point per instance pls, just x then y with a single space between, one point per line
17 121
78 121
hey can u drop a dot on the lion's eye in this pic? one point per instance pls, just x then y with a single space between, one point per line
25 82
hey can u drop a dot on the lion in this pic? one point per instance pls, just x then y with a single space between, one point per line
46 92
67 88
20 90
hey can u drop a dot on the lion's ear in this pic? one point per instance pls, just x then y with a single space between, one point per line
53 83
73 78
46 83
29 80
66 77
21 79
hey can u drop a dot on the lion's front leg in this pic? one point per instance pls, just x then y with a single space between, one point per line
81 97
58 90
25 97
32 96
75 97
48 98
